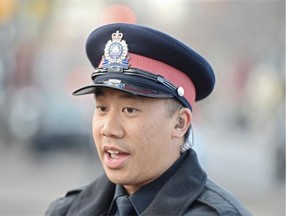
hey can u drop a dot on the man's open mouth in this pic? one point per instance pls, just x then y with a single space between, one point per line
113 154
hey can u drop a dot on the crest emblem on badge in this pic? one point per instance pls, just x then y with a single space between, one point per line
116 53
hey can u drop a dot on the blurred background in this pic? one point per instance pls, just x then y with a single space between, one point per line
46 147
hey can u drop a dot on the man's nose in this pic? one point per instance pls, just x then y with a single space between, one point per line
112 126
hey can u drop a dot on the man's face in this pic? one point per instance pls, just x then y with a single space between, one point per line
133 136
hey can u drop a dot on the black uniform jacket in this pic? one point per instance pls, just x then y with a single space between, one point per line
187 192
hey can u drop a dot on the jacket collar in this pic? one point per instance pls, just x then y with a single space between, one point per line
173 199
180 190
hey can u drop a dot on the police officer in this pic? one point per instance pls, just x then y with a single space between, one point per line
145 85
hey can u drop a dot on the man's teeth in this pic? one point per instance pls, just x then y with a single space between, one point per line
113 152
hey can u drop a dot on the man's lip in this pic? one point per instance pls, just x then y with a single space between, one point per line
115 157
107 148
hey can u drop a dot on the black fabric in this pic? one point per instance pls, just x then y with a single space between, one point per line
124 206
91 200
187 192
145 195
142 198
175 200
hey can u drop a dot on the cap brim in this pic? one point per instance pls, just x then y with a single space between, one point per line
135 84
85 90
92 89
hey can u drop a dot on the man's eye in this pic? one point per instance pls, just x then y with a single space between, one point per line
129 110
101 109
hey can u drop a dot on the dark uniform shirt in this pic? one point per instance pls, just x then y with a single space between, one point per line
183 190
142 198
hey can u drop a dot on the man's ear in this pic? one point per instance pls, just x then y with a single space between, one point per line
182 122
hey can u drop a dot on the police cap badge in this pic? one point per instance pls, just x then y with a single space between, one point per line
146 62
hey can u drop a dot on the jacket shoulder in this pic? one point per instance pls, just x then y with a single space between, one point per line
221 200
60 206
90 199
